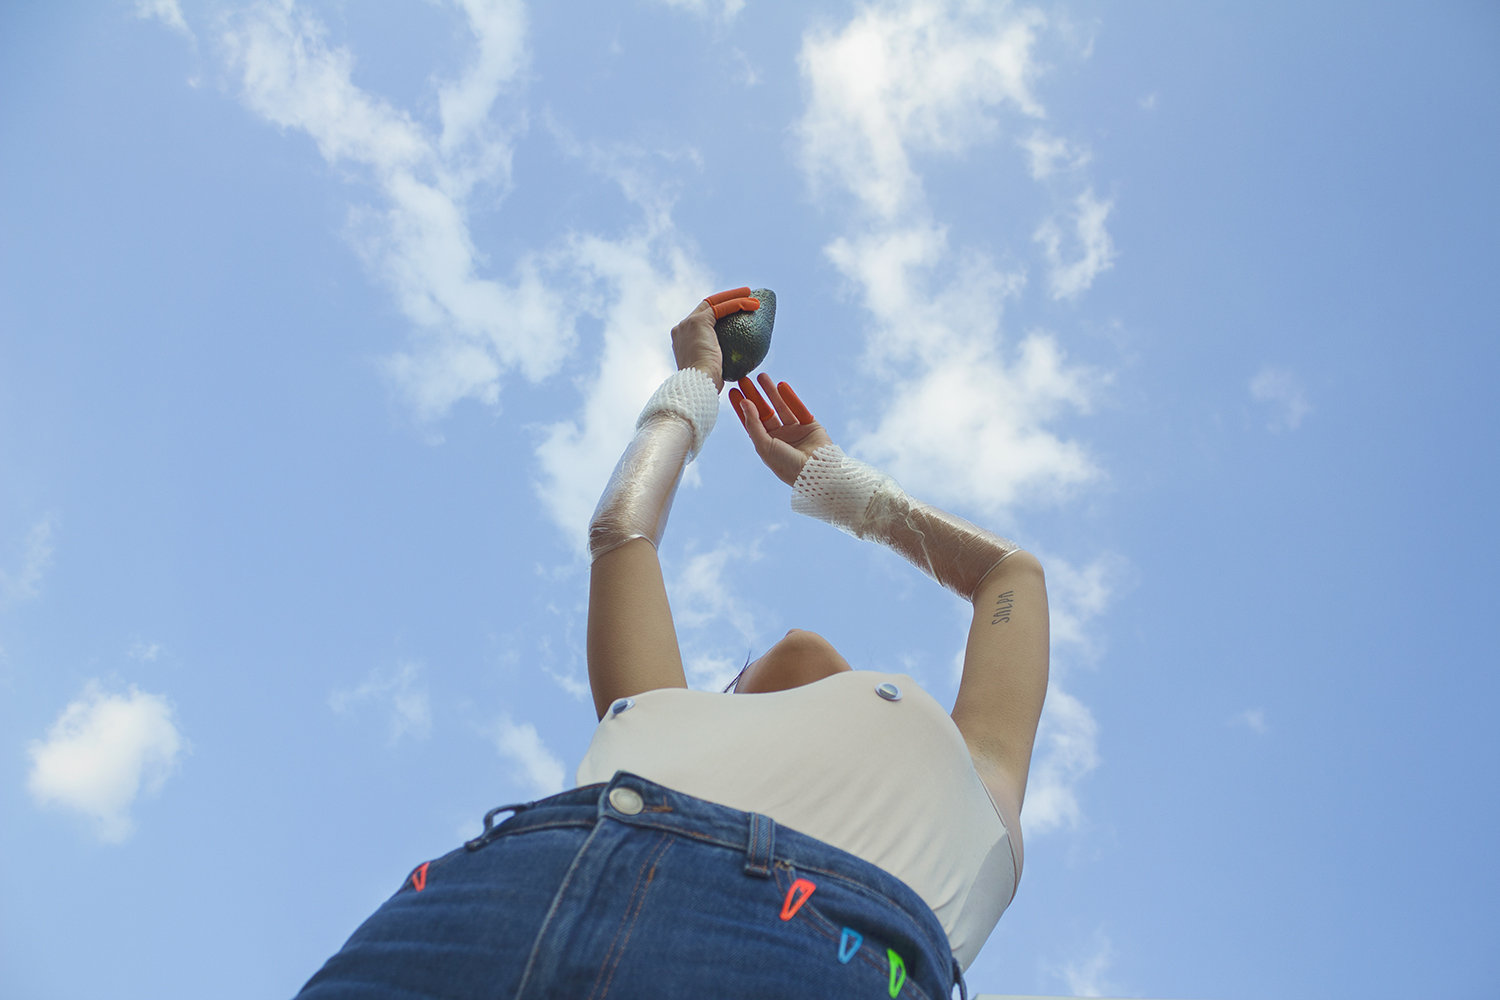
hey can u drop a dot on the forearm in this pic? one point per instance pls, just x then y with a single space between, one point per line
868 504
956 553
669 433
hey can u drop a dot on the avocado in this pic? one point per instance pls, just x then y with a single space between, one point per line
745 337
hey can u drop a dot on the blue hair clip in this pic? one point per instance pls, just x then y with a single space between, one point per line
850 944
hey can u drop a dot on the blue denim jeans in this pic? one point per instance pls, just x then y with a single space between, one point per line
628 889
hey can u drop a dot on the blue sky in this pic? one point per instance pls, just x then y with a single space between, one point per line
323 325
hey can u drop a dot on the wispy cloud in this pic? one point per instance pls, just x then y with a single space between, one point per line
725 8
400 692
1282 394
536 768
1049 154
1067 750
1067 747
475 331
1093 251
902 79
144 652
1085 975
953 380
24 582
472 329
104 751
167 12
1079 594
934 78
706 597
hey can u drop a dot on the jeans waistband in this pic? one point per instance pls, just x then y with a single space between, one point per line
630 798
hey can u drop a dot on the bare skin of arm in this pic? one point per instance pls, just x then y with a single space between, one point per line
1004 683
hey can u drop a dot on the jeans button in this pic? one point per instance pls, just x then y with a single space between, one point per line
627 801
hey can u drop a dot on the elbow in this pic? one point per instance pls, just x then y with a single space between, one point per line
1022 561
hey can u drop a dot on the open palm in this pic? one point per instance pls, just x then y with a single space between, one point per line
783 430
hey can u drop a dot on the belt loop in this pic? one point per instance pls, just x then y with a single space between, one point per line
489 823
963 989
761 845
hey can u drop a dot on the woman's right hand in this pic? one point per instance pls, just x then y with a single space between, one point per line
784 436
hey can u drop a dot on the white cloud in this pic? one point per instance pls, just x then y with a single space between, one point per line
702 592
499 30
1085 976
727 8
631 167
537 768
101 753
1068 750
705 596
1079 594
1282 394
1049 153
36 557
907 78
166 11
1095 250
951 384
472 329
400 691
290 77
145 652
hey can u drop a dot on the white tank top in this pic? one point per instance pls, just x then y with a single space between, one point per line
889 781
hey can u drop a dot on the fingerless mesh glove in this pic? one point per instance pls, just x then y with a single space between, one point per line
863 501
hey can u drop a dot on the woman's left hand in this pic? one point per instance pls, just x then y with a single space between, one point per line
694 342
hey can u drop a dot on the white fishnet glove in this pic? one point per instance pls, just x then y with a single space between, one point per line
861 500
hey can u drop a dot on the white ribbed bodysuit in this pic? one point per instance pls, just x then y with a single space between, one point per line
891 782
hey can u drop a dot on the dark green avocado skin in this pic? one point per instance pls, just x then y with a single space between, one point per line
745 337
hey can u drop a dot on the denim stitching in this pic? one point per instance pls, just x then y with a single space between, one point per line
637 906
823 927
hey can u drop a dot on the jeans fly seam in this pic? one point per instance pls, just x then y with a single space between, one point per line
557 898
637 905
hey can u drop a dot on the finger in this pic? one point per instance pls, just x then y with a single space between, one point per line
737 400
733 293
735 305
798 407
753 394
774 395
757 431
752 427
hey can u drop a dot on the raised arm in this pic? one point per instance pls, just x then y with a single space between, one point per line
999 701
632 642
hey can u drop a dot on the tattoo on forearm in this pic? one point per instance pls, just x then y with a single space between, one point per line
1004 604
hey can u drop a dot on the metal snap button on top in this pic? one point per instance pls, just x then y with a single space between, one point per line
627 801
888 691
621 704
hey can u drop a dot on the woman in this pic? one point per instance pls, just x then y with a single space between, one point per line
824 832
